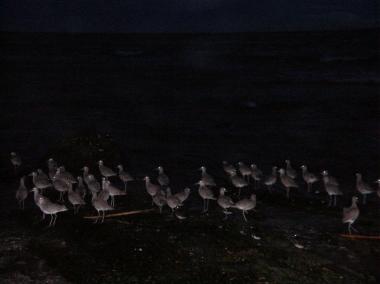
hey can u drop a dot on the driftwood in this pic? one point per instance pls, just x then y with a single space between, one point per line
124 213
360 237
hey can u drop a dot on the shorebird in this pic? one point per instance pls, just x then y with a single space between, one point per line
363 187
15 160
245 171
75 199
172 201
81 188
271 179
22 193
52 168
290 172
162 178
105 171
329 179
40 183
228 168
101 206
207 179
287 182
246 204
92 184
61 186
151 188
224 201
160 200
206 194
113 191
238 181
124 176
64 175
86 173
183 195
308 177
41 174
350 214
332 190
256 174
48 208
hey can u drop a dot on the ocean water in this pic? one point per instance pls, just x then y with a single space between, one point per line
183 100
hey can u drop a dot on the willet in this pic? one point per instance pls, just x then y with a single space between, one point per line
101 206
64 175
207 179
113 191
308 177
151 188
172 201
15 160
329 179
246 204
92 184
350 214
332 190
61 186
238 181
363 187
105 171
287 182
40 183
75 199
256 174
162 178
37 197
206 194
183 195
224 201
290 172
271 179
160 200
49 208
245 171
22 193
41 174
81 188
228 168
124 176
52 168
86 173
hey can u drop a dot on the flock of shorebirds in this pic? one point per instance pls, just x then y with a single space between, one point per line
103 193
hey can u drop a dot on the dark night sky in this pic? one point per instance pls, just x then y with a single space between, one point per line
186 15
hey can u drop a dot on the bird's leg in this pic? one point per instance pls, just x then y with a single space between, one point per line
51 220
207 203
245 218
104 213
96 220
308 187
335 200
43 216
349 228
352 227
55 219
160 209
125 186
330 201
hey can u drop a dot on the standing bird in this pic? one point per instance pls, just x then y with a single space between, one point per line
207 179
105 171
238 181
93 185
256 174
162 178
49 208
75 199
64 175
86 173
172 201
183 195
37 197
124 176
206 194
40 183
287 182
271 179
21 193
151 188
15 160
41 174
160 200
363 187
224 201
350 214
81 188
52 168
290 172
228 168
308 177
100 205
61 186
333 191
246 204
245 171
329 179
113 191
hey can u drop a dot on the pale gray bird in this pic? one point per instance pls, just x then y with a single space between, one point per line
162 178
75 199
52 168
124 176
290 172
105 171
151 188
363 187
113 191
64 175
40 183
256 174
172 201
329 179
246 204
101 206
333 191
271 179
207 179
15 160
245 171
86 173
160 200
41 174
238 181
61 186
350 214
228 168
225 201
38 198
81 188
206 194
183 195
92 184
22 193
287 182
308 177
